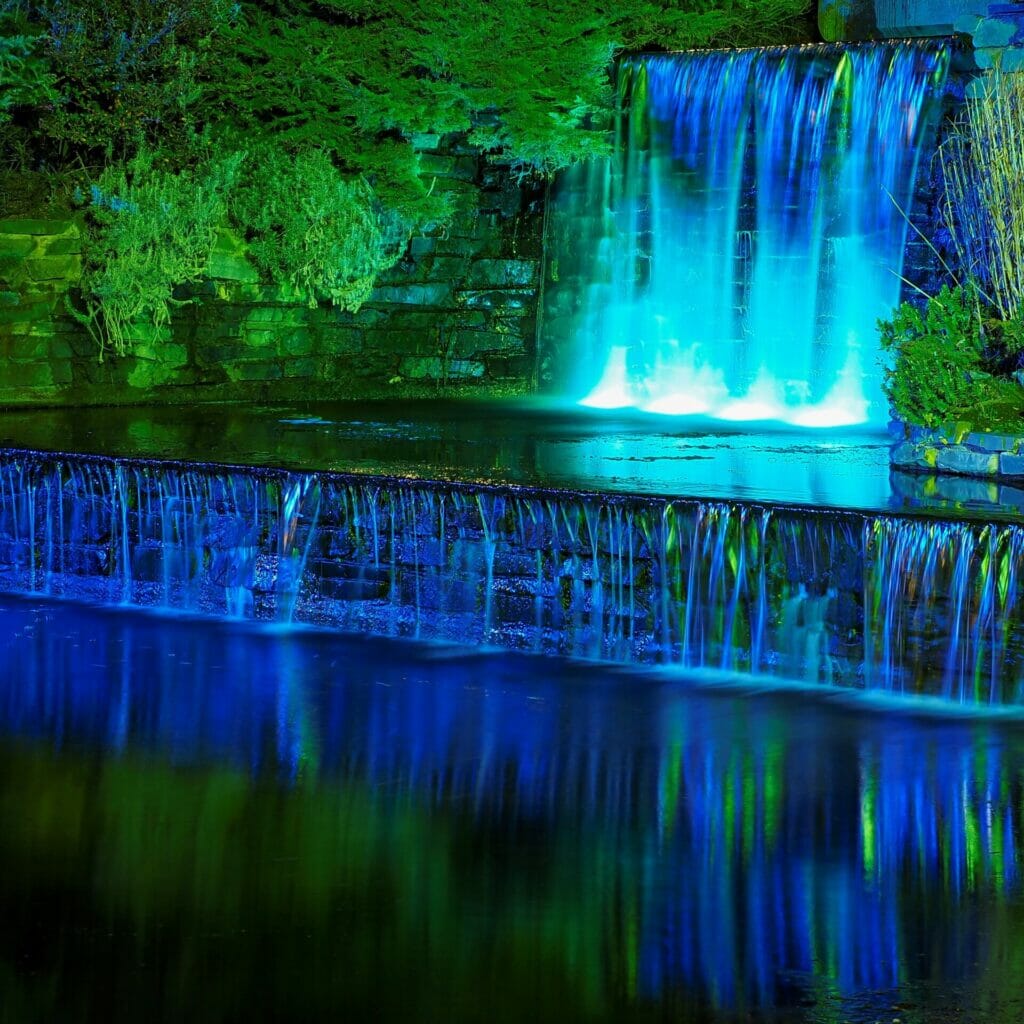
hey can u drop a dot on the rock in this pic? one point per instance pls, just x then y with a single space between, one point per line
438 293
1011 465
33 226
435 368
955 459
504 273
993 442
16 246
54 268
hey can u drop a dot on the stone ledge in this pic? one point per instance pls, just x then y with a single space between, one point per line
958 450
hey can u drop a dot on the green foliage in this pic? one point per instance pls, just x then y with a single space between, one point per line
983 200
528 79
331 98
25 76
950 361
150 229
126 71
310 228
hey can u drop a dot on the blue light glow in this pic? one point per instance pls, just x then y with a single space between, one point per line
733 256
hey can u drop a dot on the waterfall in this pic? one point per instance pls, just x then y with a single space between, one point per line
732 257
888 603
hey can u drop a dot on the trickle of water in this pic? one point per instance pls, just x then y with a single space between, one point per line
890 604
732 257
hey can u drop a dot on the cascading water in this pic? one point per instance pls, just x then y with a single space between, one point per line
891 604
733 255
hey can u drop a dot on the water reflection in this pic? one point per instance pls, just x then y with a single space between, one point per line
276 826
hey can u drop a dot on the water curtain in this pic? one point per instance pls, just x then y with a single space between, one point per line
733 255
887 603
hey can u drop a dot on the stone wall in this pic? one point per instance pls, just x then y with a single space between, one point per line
839 598
456 315
995 27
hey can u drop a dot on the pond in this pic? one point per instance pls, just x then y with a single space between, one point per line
226 821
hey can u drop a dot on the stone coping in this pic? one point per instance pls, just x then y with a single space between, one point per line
957 449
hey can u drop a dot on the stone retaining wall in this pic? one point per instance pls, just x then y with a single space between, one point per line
838 598
995 29
959 450
457 314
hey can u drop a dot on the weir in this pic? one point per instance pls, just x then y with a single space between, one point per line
732 256
879 602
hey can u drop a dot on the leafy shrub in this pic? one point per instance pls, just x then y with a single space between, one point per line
25 76
951 361
310 228
126 71
150 229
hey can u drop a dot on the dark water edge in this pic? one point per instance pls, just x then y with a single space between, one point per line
214 822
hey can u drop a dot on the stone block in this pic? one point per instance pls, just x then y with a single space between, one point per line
296 343
16 246
422 245
338 340
469 343
260 317
162 353
300 367
30 375
1011 496
231 267
425 141
437 294
260 339
35 226
518 367
145 336
29 312
956 459
446 268
64 245
1011 465
435 368
54 268
503 303
253 371
425 342
59 348
993 442
365 316
505 203
437 164
504 273
148 373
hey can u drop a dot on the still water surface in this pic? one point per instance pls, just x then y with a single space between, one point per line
213 822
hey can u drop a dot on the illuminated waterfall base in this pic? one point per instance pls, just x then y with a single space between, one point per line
890 604
732 257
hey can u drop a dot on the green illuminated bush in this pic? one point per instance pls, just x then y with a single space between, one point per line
952 362
150 229
960 358
309 228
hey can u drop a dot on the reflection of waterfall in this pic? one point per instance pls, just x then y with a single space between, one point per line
735 850
898 605
733 255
